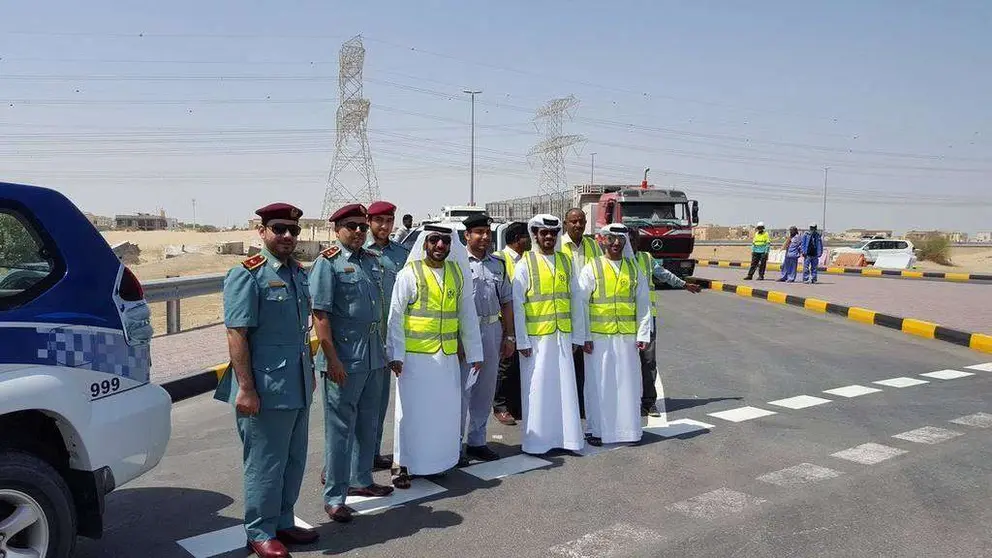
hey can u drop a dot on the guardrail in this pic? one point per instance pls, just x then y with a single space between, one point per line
172 290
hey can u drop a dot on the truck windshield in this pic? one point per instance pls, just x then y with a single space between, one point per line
654 212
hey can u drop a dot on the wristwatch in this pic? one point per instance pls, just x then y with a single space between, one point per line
509 338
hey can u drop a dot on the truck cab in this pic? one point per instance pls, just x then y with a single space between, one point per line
664 219
79 416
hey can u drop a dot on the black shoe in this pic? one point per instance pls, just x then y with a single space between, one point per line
653 411
463 461
594 441
380 463
482 452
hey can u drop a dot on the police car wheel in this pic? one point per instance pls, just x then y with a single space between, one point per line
36 508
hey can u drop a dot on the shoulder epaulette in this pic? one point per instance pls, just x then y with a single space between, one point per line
331 252
499 255
373 253
254 262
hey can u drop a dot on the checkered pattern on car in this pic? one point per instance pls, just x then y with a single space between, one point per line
95 350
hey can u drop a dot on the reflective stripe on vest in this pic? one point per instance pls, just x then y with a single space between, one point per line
613 305
647 266
431 320
548 304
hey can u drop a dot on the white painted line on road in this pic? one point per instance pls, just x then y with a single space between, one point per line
977 420
868 454
928 435
590 450
799 402
853 390
506 467
947 374
222 541
619 540
987 367
677 427
721 501
800 474
741 414
901 382
419 488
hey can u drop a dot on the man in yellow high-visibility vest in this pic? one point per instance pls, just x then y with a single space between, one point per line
759 253
618 309
431 311
548 328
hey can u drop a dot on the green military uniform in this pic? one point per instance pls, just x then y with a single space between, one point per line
272 300
348 286
393 257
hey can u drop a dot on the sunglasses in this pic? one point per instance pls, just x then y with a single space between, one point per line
356 226
436 238
616 239
280 229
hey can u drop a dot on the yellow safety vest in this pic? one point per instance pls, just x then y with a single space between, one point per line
431 320
508 259
647 266
548 304
590 249
613 305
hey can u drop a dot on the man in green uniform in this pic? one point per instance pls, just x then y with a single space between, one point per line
270 380
346 286
392 256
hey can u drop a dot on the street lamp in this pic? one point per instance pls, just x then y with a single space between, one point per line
471 188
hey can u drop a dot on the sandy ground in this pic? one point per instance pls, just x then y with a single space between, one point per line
201 258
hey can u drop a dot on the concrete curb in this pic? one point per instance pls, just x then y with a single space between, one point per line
206 380
867 272
976 341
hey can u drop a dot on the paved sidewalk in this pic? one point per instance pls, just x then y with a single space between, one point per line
966 307
187 352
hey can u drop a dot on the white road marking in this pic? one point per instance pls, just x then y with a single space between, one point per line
506 467
800 474
590 450
419 488
721 501
987 367
851 391
612 542
947 374
676 427
222 541
977 420
868 454
901 382
741 414
927 435
799 402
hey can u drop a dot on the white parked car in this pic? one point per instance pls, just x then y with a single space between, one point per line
872 249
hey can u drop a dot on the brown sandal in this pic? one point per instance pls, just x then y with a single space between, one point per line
401 478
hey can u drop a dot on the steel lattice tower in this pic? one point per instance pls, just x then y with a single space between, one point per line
552 149
352 176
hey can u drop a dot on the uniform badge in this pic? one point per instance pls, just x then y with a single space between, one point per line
623 283
349 269
254 262
331 252
276 284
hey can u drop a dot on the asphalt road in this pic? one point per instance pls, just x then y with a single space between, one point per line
769 486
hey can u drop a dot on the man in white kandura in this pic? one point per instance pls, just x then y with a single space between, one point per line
547 324
617 304
432 309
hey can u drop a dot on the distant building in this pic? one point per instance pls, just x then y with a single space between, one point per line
983 236
858 234
954 236
145 222
102 223
711 232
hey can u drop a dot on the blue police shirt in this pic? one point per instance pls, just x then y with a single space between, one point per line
272 300
492 286
348 286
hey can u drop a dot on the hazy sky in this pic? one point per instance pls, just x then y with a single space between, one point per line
129 108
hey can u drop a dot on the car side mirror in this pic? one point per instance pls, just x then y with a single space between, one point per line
695 212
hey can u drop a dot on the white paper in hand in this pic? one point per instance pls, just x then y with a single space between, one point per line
473 376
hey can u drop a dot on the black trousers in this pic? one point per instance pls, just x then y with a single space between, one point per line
649 371
759 261
507 397
579 359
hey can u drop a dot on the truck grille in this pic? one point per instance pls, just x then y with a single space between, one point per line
672 247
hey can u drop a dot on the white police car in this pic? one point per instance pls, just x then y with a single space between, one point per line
78 415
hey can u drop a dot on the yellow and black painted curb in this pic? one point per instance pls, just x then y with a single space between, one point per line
977 341
866 272
205 381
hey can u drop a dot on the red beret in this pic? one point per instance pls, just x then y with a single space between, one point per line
381 208
279 211
350 210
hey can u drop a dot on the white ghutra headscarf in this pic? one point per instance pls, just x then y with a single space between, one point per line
458 253
543 221
617 229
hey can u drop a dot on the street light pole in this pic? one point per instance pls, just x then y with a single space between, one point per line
823 225
592 170
471 187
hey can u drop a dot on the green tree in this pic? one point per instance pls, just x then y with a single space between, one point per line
16 244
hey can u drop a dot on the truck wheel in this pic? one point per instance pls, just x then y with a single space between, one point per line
36 508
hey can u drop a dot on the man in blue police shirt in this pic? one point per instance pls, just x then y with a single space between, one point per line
346 285
392 256
270 380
